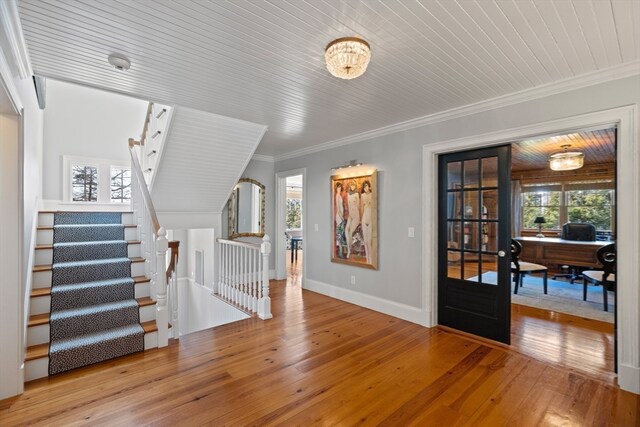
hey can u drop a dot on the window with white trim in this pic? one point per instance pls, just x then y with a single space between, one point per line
120 185
587 202
96 181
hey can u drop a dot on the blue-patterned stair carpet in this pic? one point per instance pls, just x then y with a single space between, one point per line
94 314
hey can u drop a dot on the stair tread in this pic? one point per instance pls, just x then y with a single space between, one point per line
49 267
95 283
93 309
40 292
50 227
62 211
145 301
130 242
82 340
43 318
138 280
149 326
37 351
90 242
38 319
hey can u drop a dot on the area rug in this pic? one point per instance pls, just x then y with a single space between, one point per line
562 297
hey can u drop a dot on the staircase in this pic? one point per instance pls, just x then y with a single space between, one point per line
90 300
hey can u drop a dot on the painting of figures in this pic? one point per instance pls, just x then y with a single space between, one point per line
354 202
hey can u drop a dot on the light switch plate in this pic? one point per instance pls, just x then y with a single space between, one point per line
412 232
315 227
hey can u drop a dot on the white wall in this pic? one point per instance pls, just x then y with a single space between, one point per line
398 158
10 295
86 122
20 192
201 239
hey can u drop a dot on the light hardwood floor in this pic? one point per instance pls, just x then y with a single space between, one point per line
320 361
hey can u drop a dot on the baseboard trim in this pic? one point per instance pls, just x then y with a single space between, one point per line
272 274
395 309
629 378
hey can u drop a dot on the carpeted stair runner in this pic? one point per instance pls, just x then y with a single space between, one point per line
94 314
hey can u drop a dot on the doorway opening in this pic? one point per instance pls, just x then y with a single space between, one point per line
294 228
563 311
560 227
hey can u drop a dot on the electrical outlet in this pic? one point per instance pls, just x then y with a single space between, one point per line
353 280
412 232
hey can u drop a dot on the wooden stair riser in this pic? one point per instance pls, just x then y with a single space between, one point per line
42 304
42 279
40 334
45 237
39 368
45 219
45 256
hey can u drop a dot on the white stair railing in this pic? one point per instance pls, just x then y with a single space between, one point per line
154 246
243 275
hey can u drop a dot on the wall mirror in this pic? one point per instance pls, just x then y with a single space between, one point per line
246 209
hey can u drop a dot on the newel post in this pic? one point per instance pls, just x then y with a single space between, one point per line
264 303
162 315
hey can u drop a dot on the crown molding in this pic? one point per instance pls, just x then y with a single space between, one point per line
589 79
263 158
12 29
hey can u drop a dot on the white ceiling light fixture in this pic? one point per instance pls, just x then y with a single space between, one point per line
347 57
566 160
119 61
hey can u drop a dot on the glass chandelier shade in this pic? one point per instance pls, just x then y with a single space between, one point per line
347 57
566 160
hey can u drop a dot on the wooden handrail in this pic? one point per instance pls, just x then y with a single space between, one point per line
174 247
137 169
145 128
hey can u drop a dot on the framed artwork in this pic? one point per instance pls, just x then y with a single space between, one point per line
354 215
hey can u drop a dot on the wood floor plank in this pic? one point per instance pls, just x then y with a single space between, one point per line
320 361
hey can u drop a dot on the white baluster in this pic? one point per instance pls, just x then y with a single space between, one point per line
243 284
254 298
175 305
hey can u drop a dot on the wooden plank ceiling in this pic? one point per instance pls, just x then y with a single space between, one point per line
598 147
263 61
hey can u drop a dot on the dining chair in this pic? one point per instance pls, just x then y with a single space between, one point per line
520 268
606 277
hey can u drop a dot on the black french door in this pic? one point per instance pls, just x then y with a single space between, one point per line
474 242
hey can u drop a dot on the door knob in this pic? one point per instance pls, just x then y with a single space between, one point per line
501 254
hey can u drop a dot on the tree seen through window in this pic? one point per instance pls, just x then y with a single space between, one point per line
84 183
